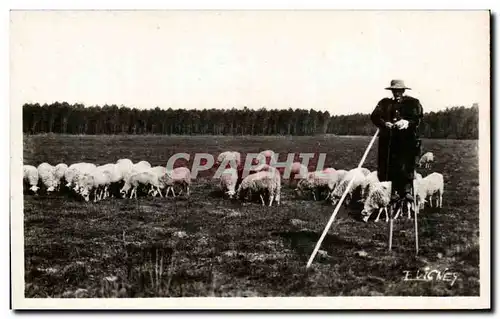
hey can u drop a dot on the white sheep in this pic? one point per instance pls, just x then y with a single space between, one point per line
75 172
318 181
429 186
114 174
80 169
30 177
146 178
46 174
260 182
228 157
370 179
159 171
228 180
96 182
178 176
339 190
60 170
426 160
379 197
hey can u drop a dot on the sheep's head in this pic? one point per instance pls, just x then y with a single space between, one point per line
34 188
231 193
334 198
368 208
85 192
124 190
50 189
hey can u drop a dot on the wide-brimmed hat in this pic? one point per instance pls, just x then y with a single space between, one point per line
397 84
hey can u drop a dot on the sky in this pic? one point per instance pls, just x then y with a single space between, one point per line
338 61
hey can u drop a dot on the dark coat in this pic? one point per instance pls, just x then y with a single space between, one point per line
398 150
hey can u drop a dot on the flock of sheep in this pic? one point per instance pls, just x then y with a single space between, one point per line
124 178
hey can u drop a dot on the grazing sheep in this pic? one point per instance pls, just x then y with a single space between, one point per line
145 178
228 157
228 180
378 198
30 177
178 176
46 174
76 169
96 182
262 182
60 170
370 179
429 186
337 193
426 160
318 181
115 177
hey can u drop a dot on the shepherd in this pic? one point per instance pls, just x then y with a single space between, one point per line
399 145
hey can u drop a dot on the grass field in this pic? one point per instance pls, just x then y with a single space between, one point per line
209 246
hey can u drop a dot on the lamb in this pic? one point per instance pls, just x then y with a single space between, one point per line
429 186
159 171
229 156
228 180
73 172
141 178
262 182
46 174
337 193
115 176
378 198
178 176
97 181
318 181
128 171
370 179
30 177
60 170
426 160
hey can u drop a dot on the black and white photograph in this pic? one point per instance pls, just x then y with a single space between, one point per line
250 159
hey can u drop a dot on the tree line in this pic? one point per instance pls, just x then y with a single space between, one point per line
63 118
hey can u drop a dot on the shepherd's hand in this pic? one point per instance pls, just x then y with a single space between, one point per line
389 125
401 124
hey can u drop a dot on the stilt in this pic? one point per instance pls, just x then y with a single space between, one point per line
391 225
416 218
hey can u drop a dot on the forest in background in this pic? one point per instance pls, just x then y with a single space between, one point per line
457 122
